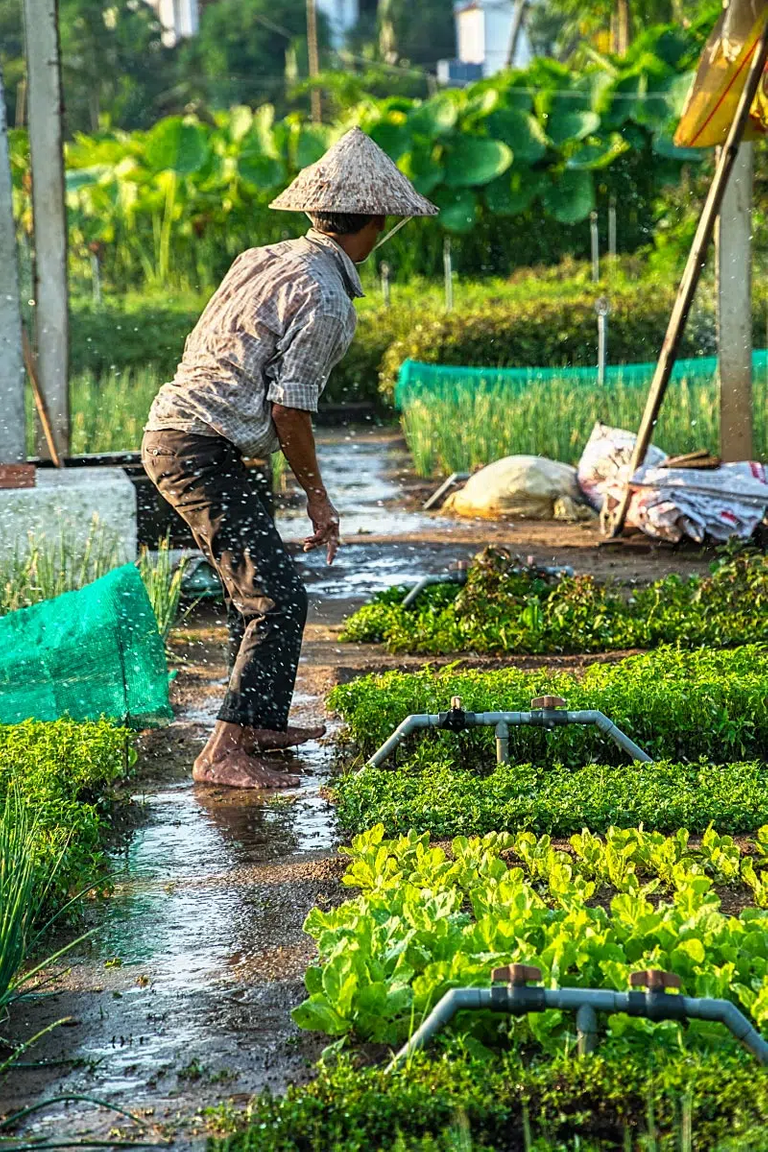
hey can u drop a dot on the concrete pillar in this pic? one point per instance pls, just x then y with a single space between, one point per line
12 428
734 309
49 213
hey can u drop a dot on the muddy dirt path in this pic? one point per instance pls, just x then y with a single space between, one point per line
180 1001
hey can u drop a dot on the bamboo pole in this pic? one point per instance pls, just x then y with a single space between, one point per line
40 404
692 274
313 55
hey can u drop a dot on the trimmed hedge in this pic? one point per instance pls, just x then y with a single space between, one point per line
428 794
65 772
537 332
461 1101
676 705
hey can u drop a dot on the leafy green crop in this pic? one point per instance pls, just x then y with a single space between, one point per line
675 704
65 773
502 610
462 1101
430 795
425 922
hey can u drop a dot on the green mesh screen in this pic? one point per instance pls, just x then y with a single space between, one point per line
95 652
417 380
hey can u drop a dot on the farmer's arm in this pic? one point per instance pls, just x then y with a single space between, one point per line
294 429
309 350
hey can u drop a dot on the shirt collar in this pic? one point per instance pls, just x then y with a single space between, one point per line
346 266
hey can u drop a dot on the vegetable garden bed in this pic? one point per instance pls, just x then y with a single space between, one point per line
501 610
678 705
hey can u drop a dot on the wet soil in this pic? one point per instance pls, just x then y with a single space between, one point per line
180 1000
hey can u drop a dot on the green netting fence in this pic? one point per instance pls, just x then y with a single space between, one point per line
87 654
420 381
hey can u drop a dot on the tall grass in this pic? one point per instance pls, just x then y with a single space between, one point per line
461 430
108 411
47 568
162 579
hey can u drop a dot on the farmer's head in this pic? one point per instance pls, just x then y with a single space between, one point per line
357 232
350 191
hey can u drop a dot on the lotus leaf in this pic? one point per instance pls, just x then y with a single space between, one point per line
472 160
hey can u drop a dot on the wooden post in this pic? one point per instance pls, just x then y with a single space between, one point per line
313 56
515 29
13 448
733 240
594 244
692 273
448 274
48 210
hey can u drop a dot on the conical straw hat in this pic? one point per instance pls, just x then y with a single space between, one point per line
354 176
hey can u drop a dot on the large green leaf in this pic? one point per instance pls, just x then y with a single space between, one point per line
312 142
394 138
513 193
571 125
521 131
570 197
422 169
458 208
434 117
598 153
260 170
473 160
240 122
177 145
77 178
263 130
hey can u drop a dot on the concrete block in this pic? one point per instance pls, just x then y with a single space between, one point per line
64 502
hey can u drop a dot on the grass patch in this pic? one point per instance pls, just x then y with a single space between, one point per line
676 704
504 610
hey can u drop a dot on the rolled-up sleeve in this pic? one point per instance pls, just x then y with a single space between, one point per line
313 344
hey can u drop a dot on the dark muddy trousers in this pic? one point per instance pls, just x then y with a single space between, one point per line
203 478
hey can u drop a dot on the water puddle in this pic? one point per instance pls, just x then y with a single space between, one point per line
357 473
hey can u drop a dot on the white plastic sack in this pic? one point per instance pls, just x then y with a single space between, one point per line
522 486
605 460
669 503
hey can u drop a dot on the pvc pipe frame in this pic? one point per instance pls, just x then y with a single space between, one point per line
502 722
518 1000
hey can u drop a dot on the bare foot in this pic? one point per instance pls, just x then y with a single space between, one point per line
267 740
235 769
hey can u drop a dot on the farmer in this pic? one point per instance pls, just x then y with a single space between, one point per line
251 375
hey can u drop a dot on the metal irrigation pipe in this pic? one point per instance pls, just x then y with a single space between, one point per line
546 712
516 998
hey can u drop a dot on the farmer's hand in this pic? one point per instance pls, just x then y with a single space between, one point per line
325 521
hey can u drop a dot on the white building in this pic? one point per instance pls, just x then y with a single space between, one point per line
483 30
179 19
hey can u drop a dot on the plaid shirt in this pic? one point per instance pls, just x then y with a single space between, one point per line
279 322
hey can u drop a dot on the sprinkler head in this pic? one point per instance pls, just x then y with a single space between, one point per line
518 975
655 980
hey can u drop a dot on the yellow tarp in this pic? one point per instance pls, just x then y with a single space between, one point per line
721 76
